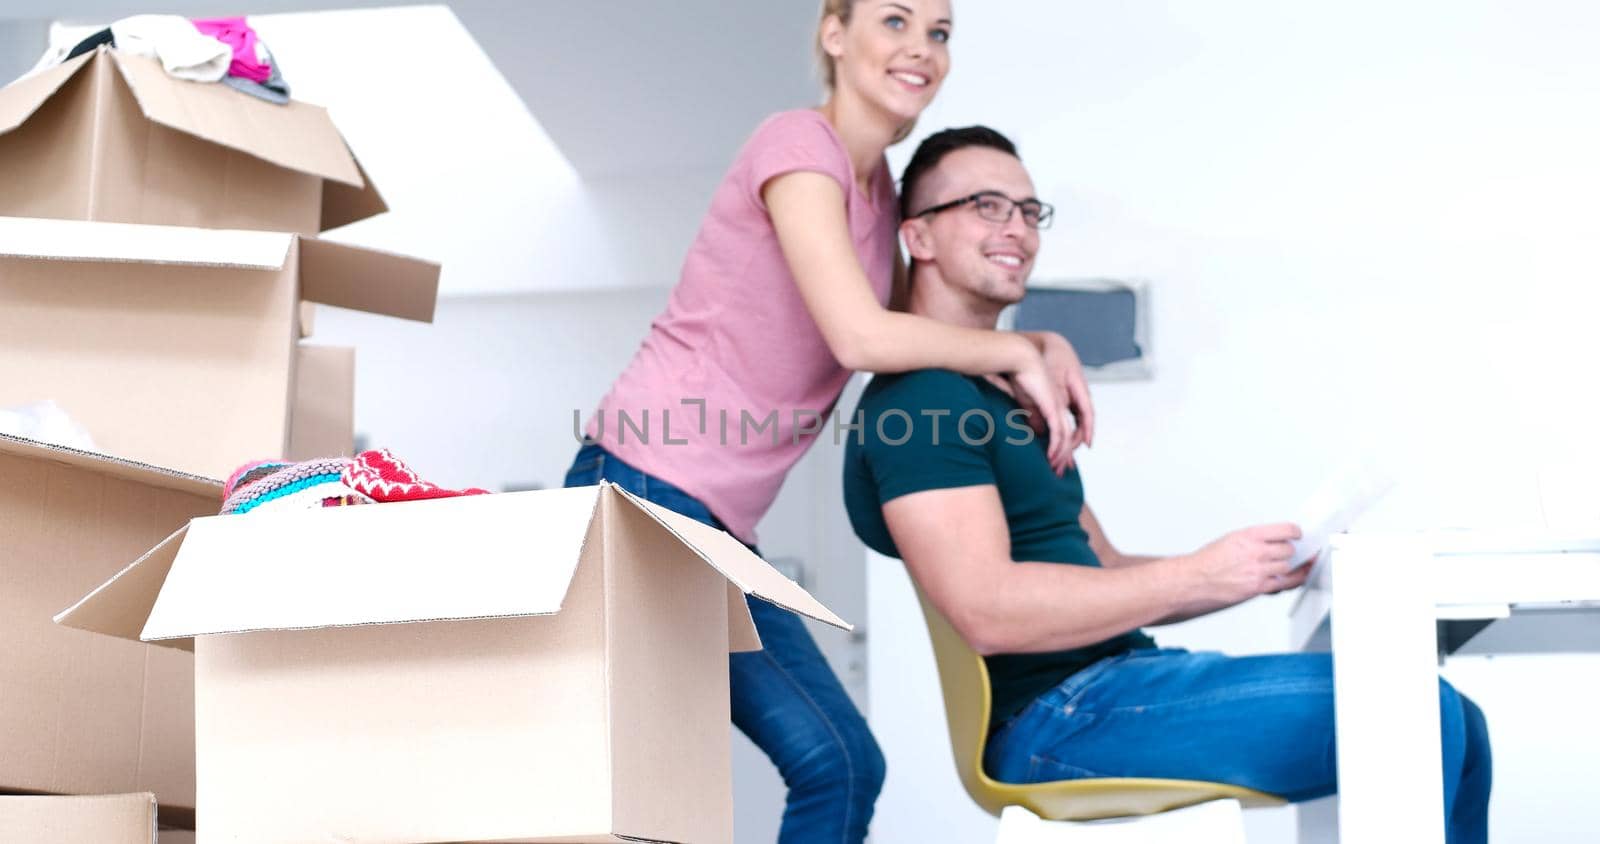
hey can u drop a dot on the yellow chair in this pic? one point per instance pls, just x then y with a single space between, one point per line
964 679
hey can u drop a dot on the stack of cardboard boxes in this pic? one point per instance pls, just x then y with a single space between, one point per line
544 666
157 261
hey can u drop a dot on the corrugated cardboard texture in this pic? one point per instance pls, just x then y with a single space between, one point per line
44 161
440 732
128 243
604 721
85 713
99 819
185 363
113 467
174 176
343 204
322 420
22 98
739 564
451 558
148 148
179 366
368 280
666 631
121 606
296 136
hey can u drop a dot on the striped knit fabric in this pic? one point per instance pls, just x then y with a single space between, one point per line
313 483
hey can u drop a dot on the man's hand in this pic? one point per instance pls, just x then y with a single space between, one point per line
1246 563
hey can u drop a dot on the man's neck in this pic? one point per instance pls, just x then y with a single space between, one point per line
933 298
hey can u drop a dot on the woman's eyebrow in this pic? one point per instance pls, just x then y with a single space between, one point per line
908 10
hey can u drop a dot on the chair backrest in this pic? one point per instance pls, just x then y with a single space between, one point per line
964 680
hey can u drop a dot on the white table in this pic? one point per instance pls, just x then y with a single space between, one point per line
1404 601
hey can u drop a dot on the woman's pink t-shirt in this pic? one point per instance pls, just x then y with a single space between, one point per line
724 393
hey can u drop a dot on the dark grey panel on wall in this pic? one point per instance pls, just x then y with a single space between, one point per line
1106 320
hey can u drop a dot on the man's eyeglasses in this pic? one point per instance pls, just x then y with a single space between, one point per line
996 207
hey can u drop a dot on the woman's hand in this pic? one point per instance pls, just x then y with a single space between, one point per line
1061 361
1036 391
1071 392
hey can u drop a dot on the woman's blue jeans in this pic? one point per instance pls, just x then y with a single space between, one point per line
1263 722
785 698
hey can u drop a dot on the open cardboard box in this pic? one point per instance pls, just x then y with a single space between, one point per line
85 714
536 666
92 819
177 346
110 136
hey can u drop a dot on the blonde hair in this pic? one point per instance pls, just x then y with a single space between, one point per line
830 8
825 62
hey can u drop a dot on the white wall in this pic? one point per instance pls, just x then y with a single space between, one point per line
1363 222
21 44
472 178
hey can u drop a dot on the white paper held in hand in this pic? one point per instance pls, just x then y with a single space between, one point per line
1336 504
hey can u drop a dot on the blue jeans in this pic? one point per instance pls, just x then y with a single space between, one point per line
785 698
1263 722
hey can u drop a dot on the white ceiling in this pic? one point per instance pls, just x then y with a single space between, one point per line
626 87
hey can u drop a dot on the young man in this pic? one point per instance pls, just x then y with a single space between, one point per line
944 475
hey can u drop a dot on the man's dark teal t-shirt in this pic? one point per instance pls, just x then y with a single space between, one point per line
937 429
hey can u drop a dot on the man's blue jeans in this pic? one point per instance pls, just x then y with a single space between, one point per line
785 698
1263 722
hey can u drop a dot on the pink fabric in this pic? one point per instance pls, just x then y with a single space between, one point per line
236 33
737 335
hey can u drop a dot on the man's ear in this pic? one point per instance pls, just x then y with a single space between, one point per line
918 237
832 36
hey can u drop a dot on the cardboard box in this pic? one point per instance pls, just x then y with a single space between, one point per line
176 346
322 422
110 136
99 819
533 666
84 714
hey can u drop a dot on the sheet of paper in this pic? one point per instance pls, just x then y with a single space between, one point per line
1336 504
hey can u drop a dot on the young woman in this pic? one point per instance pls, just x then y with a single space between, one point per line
785 292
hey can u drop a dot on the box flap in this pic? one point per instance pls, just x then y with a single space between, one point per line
483 556
742 635
114 467
20 99
368 280
298 136
739 564
82 240
343 204
79 819
120 606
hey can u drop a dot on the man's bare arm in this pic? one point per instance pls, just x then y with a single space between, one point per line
1107 553
1110 557
957 546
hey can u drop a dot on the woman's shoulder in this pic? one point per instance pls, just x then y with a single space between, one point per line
796 127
